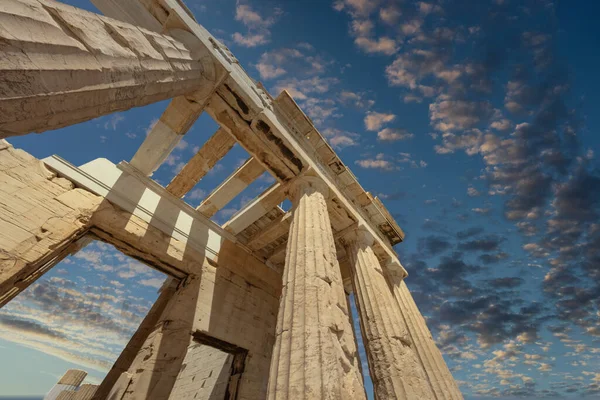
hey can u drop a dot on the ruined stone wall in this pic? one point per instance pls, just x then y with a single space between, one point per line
40 217
241 300
234 298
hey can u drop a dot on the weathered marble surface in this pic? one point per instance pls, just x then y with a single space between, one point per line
315 356
61 65
393 362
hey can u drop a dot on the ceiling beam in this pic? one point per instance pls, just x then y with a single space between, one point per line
256 208
231 187
209 154
278 227
177 119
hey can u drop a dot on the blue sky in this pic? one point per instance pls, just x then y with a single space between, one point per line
475 123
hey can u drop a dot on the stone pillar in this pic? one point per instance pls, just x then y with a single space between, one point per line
314 356
443 384
393 363
134 345
61 65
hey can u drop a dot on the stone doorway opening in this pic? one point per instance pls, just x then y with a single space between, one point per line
211 370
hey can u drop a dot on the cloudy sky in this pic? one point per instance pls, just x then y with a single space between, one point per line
474 121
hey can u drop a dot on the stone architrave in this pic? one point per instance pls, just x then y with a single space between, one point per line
393 363
314 356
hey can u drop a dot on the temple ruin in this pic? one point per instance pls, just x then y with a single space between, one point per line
269 288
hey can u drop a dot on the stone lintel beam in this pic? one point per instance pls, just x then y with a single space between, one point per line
231 187
62 65
178 118
442 383
209 154
277 256
314 356
258 207
279 227
393 363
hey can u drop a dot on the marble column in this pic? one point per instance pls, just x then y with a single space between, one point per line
395 368
61 65
443 384
315 355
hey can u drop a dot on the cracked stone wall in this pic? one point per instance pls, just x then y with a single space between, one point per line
234 299
40 217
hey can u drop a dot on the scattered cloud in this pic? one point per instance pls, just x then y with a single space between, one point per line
113 121
375 121
379 162
392 135
258 27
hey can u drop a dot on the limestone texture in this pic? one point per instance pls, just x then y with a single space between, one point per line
442 383
41 218
314 355
61 65
393 363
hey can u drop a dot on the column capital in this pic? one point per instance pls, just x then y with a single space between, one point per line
396 270
307 184
360 235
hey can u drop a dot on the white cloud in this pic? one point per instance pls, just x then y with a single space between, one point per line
374 120
92 256
383 45
357 8
501 125
152 282
379 162
245 14
257 25
428 8
389 15
196 194
339 138
267 71
361 27
297 61
250 40
300 88
358 100
113 121
392 135
473 192
182 145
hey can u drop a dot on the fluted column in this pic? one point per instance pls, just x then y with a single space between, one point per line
443 384
314 356
61 65
393 363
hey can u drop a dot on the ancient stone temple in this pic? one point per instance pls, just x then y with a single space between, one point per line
256 308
